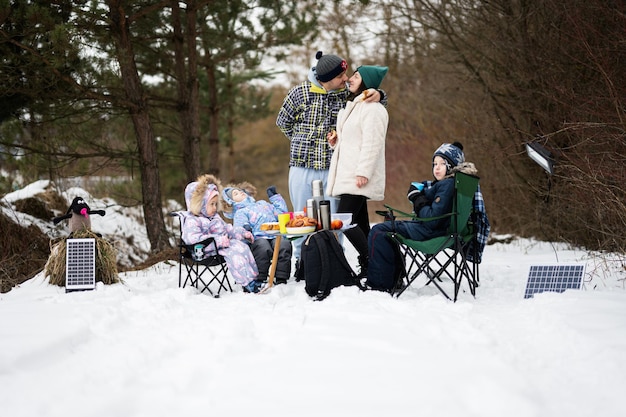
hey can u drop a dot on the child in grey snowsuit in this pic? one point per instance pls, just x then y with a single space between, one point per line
251 214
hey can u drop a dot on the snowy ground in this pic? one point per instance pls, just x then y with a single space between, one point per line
148 348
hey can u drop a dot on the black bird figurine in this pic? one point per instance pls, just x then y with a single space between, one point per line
78 214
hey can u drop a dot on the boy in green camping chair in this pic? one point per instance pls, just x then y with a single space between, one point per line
429 199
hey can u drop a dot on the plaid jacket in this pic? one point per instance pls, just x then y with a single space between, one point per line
482 227
308 113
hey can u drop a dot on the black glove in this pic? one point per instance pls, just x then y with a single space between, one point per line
419 201
413 193
389 217
271 191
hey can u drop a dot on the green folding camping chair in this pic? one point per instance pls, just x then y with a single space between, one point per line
441 259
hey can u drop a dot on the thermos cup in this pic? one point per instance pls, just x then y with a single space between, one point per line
324 214
318 188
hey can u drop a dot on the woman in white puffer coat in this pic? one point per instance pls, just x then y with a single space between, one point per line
357 168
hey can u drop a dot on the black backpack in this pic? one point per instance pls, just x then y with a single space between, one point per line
323 265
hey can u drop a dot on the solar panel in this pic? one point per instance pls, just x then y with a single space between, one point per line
556 278
80 264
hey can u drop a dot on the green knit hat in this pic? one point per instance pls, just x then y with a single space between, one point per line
372 75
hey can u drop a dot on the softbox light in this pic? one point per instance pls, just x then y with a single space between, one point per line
541 156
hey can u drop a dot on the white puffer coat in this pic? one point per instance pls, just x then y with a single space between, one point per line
360 150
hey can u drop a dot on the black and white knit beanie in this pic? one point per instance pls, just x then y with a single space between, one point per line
329 66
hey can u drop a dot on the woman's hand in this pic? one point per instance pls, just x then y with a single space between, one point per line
361 181
331 137
371 95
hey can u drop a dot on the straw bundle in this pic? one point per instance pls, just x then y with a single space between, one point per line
106 255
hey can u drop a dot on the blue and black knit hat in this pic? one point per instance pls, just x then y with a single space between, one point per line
452 153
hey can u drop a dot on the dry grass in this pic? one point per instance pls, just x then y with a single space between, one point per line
23 255
106 255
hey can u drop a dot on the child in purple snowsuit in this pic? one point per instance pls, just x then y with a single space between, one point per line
202 221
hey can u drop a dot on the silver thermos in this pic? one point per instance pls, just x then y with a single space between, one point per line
311 209
324 214
318 197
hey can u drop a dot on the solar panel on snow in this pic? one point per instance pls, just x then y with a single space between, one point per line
556 278
80 264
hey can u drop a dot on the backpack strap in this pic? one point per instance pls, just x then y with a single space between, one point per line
335 246
319 238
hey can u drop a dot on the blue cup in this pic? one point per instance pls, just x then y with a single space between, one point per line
418 185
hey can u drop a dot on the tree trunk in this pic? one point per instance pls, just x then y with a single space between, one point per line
138 109
214 140
188 94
